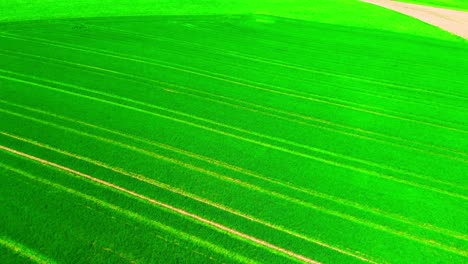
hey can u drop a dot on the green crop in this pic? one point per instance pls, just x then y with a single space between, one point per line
266 132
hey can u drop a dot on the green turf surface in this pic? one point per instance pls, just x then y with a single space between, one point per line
338 12
232 138
451 4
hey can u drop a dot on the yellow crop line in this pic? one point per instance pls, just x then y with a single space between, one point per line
238 81
231 167
280 140
259 189
215 175
326 152
295 144
24 251
217 131
315 98
223 99
194 197
132 215
168 207
356 135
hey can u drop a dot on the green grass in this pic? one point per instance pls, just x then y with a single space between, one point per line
338 12
338 142
452 4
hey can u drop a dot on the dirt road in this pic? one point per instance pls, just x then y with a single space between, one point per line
452 21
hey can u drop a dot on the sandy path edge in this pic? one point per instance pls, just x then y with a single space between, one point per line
453 21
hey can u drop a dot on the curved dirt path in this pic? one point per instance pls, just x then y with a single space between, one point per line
453 21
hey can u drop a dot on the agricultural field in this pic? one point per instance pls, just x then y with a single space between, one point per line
231 134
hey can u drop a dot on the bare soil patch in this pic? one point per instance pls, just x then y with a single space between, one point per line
453 21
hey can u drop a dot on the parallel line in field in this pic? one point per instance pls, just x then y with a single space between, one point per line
243 171
235 181
129 257
325 84
58 250
251 57
315 48
225 52
228 134
284 91
241 32
273 112
298 45
249 132
178 191
260 135
338 200
168 207
200 170
217 131
237 104
362 78
130 214
254 85
24 251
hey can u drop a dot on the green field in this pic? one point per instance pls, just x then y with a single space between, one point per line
231 133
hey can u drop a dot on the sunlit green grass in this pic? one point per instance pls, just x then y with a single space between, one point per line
339 12
340 142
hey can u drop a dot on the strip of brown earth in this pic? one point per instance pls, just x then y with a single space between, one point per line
453 21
